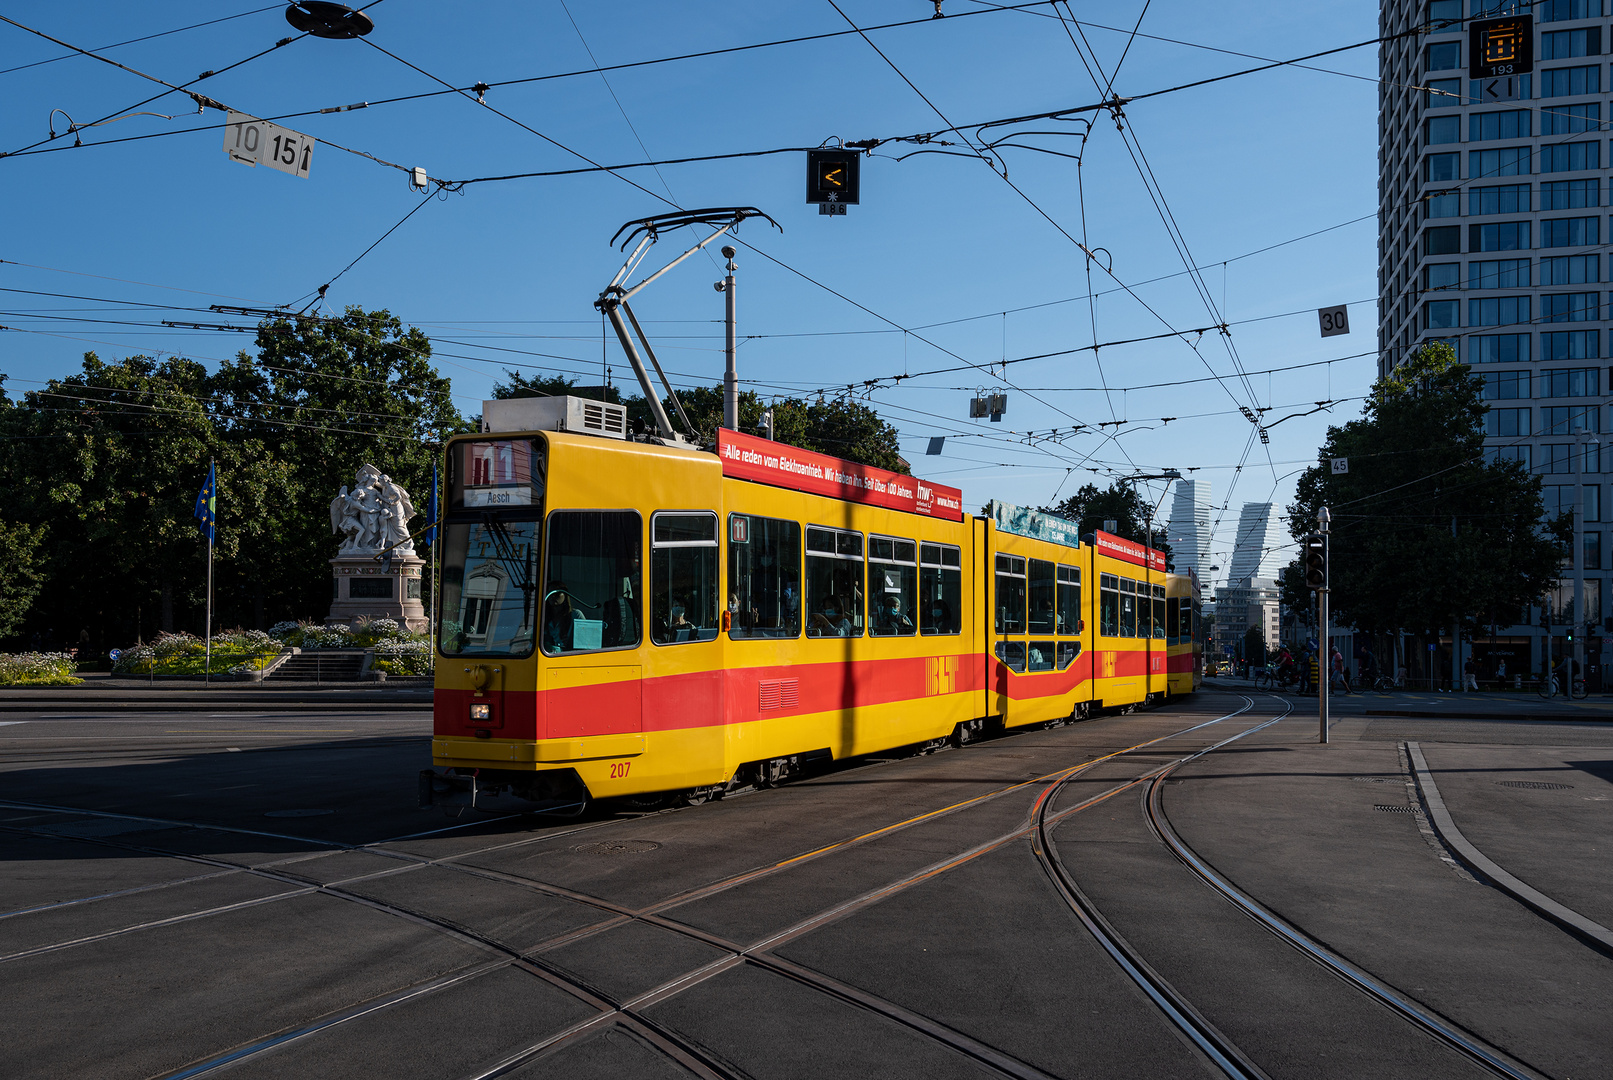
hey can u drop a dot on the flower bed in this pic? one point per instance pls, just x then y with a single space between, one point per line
37 669
411 657
234 651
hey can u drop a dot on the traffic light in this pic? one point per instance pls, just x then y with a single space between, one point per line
832 177
1316 561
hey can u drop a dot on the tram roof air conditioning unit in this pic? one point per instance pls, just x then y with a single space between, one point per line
580 416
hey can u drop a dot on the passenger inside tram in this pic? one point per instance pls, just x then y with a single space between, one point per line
833 621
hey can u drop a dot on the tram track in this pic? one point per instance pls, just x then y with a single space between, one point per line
1220 1050
626 1012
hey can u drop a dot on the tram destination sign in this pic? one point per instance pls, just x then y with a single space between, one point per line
1118 547
747 457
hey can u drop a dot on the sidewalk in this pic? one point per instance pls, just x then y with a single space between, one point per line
1502 705
101 692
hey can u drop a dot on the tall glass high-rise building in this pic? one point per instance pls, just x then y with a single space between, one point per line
1189 528
1494 217
1253 552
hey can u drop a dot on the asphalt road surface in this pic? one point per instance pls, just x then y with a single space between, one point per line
1198 890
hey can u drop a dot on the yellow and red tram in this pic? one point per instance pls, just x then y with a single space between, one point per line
626 618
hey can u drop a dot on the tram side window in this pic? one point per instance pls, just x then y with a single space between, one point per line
764 577
893 581
834 595
1184 625
683 578
1173 609
1128 608
1108 605
940 588
1012 653
1043 617
1010 595
1069 600
1068 651
1040 656
591 581
1159 610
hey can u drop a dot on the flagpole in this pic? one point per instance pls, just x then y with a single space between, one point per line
207 676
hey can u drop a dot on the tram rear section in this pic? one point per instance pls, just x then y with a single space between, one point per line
793 607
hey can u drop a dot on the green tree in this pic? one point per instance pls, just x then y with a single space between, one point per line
1122 503
21 572
1254 645
109 460
322 397
1425 532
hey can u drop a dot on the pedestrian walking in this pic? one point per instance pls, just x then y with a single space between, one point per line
1341 674
1470 676
1501 673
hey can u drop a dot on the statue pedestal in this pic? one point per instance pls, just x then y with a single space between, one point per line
361 586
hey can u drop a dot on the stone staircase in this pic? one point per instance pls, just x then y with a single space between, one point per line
320 665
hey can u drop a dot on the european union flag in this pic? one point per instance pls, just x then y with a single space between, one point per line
207 503
431 533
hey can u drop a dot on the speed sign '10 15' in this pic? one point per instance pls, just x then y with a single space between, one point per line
258 142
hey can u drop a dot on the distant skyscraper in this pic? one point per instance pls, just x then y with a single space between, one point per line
1256 534
1189 529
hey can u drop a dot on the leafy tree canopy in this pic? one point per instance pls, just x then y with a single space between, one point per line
1121 503
1425 531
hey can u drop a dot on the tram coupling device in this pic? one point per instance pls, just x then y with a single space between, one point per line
613 300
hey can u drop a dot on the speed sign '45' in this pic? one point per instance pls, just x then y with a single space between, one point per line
258 142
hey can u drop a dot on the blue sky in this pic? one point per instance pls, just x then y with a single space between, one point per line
939 249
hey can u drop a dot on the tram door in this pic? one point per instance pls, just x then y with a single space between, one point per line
1010 588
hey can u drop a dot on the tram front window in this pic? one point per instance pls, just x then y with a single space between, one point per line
489 587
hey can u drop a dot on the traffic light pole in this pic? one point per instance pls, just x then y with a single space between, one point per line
1323 519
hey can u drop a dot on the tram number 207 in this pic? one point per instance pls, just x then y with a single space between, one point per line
618 770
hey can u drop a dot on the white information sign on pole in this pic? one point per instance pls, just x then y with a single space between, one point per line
258 142
1335 320
1340 465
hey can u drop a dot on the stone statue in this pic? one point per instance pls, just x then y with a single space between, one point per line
373 515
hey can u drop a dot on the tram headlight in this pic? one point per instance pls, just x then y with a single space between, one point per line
481 710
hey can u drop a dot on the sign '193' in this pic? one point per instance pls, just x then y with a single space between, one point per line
258 142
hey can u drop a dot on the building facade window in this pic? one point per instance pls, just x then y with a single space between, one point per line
1571 119
1570 194
1487 127
1570 382
1500 236
1563 10
1566 157
1501 199
1571 81
1497 310
1443 56
1507 161
1506 385
1564 44
1437 167
1442 314
1569 307
1555 459
1569 232
1570 269
1570 345
1498 349
1442 204
1570 419
1442 93
1498 274
1438 130
1443 240
1519 454
1438 276
1507 422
